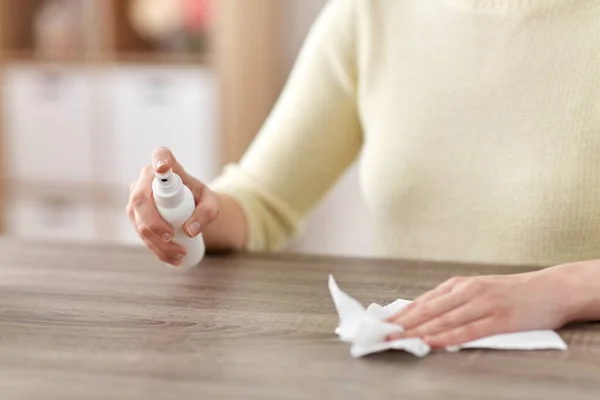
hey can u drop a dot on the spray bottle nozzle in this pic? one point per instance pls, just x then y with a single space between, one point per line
166 177
167 189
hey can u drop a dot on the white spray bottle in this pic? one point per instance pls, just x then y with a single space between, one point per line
175 203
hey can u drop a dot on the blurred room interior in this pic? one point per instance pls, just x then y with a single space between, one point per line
90 87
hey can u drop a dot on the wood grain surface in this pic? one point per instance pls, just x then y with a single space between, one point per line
97 322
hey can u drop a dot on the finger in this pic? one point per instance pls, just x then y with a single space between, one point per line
131 214
144 182
148 220
166 251
169 257
428 312
440 290
447 321
150 223
129 207
170 250
206 211
465 333
163 159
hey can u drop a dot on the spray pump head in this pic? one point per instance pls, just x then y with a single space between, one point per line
168 189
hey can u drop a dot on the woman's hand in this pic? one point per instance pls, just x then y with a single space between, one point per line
144 216
463 309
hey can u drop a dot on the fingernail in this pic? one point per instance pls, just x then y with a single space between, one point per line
160 163
177 260
167 237
194 228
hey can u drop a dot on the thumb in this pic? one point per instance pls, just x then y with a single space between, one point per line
206 211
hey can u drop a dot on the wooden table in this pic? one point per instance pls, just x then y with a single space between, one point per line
91 322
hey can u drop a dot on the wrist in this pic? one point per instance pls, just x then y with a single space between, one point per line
575 293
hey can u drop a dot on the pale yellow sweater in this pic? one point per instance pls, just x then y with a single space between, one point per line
476 124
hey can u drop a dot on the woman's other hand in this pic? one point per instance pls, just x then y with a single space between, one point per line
463 309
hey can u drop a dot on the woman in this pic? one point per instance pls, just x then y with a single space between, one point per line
476 122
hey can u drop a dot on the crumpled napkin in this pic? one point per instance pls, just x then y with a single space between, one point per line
367 330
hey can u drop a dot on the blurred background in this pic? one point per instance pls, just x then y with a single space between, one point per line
90 87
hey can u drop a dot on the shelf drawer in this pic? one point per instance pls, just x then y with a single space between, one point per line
51 214
154 106
48 123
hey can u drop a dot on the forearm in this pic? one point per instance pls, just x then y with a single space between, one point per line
228 231
579 285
